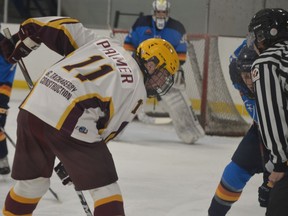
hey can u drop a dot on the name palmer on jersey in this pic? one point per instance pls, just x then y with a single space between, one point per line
65 88
92 94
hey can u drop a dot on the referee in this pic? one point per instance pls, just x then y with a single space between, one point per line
268 31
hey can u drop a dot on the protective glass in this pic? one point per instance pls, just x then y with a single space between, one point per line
251 38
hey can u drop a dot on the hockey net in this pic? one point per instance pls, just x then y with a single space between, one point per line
206 87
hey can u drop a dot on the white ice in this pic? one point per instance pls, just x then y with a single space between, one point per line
158 175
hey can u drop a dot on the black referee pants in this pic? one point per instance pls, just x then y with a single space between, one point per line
278 203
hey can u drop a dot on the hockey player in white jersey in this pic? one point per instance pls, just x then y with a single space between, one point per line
77 106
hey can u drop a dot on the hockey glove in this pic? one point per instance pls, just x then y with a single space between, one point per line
264 194
62 174
3 116
22 49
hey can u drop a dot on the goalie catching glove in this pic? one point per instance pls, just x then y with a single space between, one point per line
20 45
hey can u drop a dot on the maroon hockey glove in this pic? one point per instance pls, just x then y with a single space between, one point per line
22 49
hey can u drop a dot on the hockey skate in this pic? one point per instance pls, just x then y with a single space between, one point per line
4 166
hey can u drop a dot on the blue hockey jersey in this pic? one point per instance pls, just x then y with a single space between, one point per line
145 28
246 95
7 73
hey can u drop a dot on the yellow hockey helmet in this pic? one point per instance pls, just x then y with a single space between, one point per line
159 61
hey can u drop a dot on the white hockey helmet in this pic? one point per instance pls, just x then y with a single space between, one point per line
161 9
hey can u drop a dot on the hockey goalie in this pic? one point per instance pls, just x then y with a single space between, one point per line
161 25
177 104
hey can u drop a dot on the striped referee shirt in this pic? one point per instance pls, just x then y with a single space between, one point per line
270 77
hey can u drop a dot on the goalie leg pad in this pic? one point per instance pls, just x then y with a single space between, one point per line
183 117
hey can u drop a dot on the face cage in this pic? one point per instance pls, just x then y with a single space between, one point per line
154 90
161 22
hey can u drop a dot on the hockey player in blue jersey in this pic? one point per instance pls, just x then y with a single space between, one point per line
158 25
7 73
250 156
161 25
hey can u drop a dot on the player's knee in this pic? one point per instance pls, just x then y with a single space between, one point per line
108 200
32 188
235 177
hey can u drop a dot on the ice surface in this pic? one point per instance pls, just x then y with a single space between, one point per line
158 175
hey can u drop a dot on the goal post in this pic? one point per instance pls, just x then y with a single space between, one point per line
205 86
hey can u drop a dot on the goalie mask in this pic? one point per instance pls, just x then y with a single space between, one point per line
158 61
161 12
267 27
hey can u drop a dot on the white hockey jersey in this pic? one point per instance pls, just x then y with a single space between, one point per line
94 92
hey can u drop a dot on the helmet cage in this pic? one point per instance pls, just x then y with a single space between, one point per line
157 82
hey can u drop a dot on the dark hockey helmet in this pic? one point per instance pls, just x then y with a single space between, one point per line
268 26
245 59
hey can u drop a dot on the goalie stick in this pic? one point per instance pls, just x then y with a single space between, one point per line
30 84
14 145
144 118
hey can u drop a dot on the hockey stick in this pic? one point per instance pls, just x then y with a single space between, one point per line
21 64
30 84
14 145
8 137
66 180
84 203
